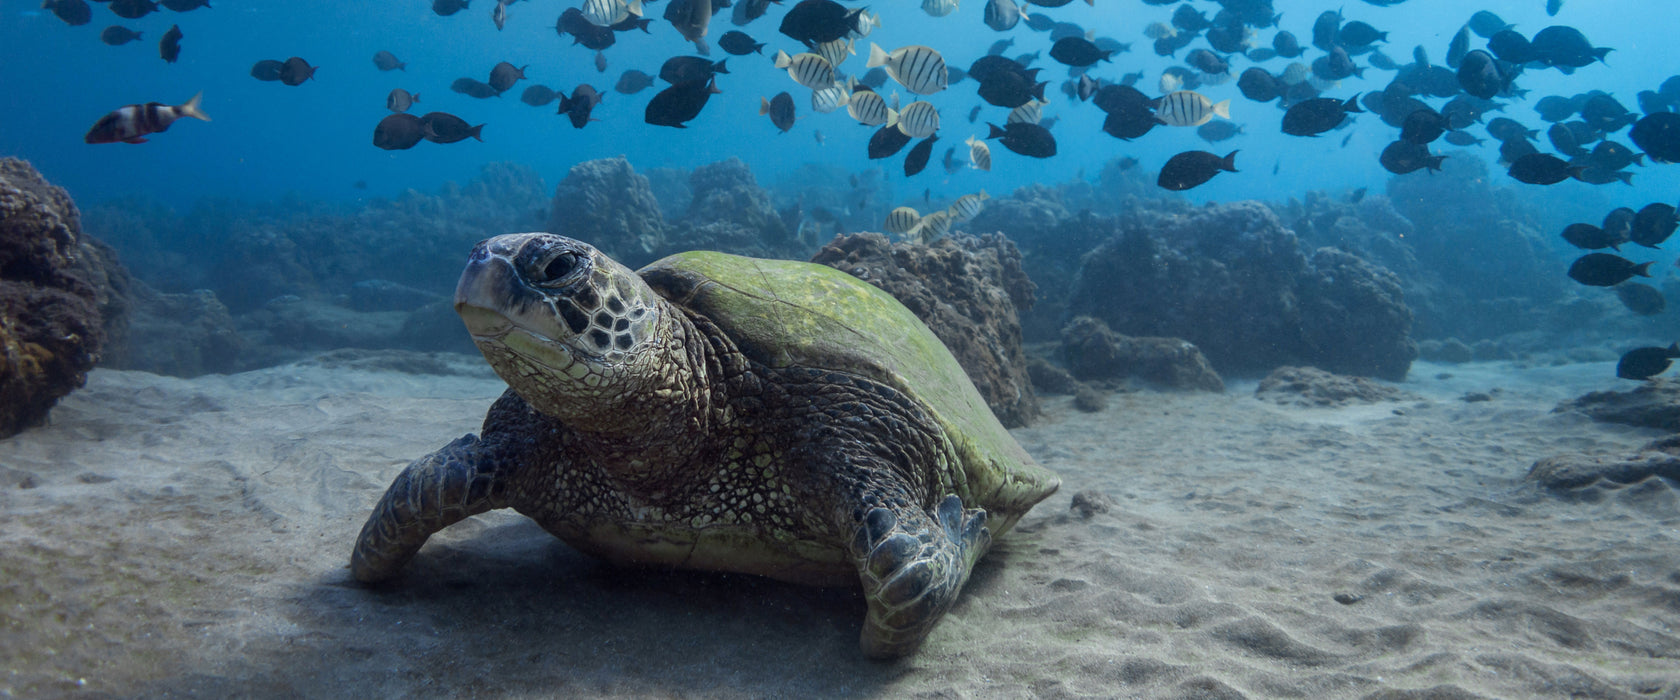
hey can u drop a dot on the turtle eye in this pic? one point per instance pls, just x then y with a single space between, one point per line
557 269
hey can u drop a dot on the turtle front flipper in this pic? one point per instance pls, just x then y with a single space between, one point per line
434 492
913 564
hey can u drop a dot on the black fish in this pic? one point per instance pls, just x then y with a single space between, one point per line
1286 45
1025 138
1486 24
1602 176
738 43
1190 19
1318 115
385 60
887 140
1208 62
1606 270
579 105
1618 224
267 70
679 103
1479 75
1259 85
1077 51
443 127
1642 299
1423 126
813 22
1403 157
170 46
589 34
504 75
74 13
1336 65
974 114
1011 89
1653 224
1324 29
133 9
1565 47
537 95
1658 135
1458 48
1589 237
1647 362
633 81
445 8
296 70
1613 156
780 109
473 88
1462 138
919 154
1192 168
184 5
1563 141
1511 46
398 132
1604 113
1552 7
682 69
1506 129
117 35
1541 168
1356 34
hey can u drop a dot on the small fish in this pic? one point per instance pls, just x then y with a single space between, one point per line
1191 168
869 108
498 15
918 120
117 35
818 135
1029 140
1642 299
1318 115
901 220
1159 30
968 206
682 69
504 75
400 100
473 88
676 105
1542 169
1031 112
919 155
398 132
828 99
385 60
930 228
952 165
600 61
919 69
1078 51
1644 363
132 9
1653 224
443 127
807 69
979 154
738 43
445 8
1214 132
296 70
170 46
1552 7
1188 108
1606 270
267 70
1402 157
74 12
1589 237
886 141
939 8
633 81
780 109
131 124
579 105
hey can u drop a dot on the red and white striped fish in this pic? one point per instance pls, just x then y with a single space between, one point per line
131 124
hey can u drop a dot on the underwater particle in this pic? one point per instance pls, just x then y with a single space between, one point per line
979 154
398 132
919 69
1589 237
739 43
1653 224
579 105
1318 115
1191 168
917 160
780 109
677 104
169 47
473 88
400 100
887 141
807 69
132 123
1189 108
1403 157
1029 140
445 8
633 81
385 60
296 70
504 75
443 127
918 119
1541 168
1606 270
117 35
1644 363
74 13
901 220
1642 299
682 69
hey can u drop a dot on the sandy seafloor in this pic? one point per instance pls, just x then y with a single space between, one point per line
188 538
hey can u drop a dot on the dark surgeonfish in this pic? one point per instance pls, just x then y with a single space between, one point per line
296 70
473 88
267 70
1423 126
398 132
1658 135
682 69
132 123
538 95
1541 168
579 105
1404 156
633 81
184 5
400 100
1644 363
919 155
445 8
1653 224
504 75
1590 237
1192 168
443 127
1642 299
133 9
74 12
780 109
813 22
117 35
738 43
169 47
1318 115
677 104
385 60
887 141
1025 138
1606 270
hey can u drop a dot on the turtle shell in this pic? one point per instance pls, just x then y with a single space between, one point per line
783 313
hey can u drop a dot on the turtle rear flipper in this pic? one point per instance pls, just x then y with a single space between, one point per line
913 564
434 492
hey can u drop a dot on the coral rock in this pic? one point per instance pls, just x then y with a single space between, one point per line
1309 386
1654 404
1093 351
607 204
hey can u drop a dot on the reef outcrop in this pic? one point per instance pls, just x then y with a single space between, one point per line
607 204
51 328
1652 404
1313 387
967 289
1233 280
729 212
1094 352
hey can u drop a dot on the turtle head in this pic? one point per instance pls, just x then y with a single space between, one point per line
566 326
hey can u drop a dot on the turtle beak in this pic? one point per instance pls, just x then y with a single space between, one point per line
487 286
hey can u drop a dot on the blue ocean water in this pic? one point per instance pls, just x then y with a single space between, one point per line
314 140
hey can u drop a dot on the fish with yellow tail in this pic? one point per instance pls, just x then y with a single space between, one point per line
131 124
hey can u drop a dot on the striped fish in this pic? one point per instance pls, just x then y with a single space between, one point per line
807 69
1295 73
828 99
866 23
1189 108
939 8
901 220
967 206
131 124
1030 112
918 120
919 69
869 108
835 51
930 228
979 153
606 13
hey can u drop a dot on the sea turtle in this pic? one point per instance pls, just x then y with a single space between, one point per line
712 411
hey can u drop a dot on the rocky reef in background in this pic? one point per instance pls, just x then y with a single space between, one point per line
59 308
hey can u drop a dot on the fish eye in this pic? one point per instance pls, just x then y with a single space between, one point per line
557 269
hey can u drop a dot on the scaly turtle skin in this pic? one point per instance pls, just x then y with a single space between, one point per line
725 413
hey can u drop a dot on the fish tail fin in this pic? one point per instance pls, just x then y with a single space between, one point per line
983 195
719 67
1222 109
763 106
475 131
635 7
192 109
414 97
1229 162
1352 105
877 56
995 131
1644 269
783 60
892 117
1435 162
1625 176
